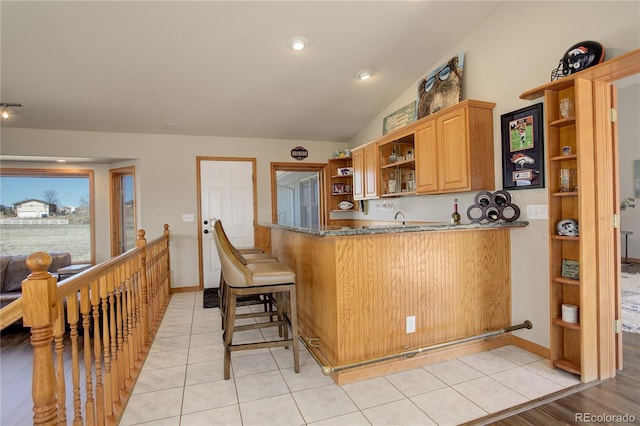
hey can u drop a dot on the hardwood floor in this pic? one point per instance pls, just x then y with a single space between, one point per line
614 397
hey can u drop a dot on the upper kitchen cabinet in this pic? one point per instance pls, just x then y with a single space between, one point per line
365 172
397 164
454 149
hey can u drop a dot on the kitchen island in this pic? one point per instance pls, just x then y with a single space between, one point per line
361 290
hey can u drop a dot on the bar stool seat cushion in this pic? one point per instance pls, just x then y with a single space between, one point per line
270 273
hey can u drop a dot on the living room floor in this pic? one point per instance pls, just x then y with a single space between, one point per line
182 382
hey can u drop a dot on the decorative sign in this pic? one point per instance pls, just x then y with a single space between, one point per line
299 153
570 269
400 118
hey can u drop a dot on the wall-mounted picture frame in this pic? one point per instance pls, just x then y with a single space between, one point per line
523 148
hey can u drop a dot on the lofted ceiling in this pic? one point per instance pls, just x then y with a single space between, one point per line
220 68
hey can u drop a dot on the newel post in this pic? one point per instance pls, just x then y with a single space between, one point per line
141 242
39 305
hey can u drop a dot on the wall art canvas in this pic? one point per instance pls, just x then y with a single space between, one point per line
441 87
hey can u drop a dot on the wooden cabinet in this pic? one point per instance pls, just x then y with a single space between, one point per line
365 172
397 165
340 184
570 146
454 149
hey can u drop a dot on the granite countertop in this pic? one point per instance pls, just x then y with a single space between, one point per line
337 231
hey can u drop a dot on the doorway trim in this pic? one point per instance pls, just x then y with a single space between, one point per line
199 160
297 167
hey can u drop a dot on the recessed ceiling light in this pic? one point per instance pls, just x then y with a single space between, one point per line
365 74
298 42
61 161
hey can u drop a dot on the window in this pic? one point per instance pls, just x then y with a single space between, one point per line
47 210
123 208
296 194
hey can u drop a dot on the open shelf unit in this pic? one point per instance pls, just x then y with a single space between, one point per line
570 146
397 166
340 184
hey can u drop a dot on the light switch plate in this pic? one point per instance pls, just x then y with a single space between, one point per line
187 217
538 211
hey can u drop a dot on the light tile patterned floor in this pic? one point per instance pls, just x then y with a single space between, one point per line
182 384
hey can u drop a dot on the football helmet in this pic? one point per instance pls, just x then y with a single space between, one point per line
579 56
567 227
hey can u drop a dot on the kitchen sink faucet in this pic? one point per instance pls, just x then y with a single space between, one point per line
399 213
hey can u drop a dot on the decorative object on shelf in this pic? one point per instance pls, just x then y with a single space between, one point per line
345 171
345 205
580 56
568 228
299 153
455 216
523 148
339 188
441 88
565 180
570 269
569 313
628 203
566 107
493 207
400 118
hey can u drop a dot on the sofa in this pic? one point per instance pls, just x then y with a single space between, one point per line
14 269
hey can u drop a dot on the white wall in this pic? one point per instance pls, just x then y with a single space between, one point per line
513 51
629 136
165 177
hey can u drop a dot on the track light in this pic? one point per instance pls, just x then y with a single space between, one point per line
5 109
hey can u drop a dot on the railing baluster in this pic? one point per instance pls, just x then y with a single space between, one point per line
119 305
72 318
58 338
85 307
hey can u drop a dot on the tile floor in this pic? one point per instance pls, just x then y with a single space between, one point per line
182 384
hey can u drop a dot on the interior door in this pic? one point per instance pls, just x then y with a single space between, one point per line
227 193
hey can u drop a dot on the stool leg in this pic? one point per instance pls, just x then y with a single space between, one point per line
294 327
228 332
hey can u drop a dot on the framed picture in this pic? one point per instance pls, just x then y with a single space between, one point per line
570 269
523 148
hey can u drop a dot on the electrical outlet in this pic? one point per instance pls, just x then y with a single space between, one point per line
538 211
187 217
411 324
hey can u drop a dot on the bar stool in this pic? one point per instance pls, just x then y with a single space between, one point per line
263 278
245 256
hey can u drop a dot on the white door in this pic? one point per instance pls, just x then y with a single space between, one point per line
226 193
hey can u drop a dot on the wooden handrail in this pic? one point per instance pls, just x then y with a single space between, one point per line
97 325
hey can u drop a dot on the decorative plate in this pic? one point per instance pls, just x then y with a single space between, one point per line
345 205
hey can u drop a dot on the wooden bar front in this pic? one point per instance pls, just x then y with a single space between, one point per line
355 292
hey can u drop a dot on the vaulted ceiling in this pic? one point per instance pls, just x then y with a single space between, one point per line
220 68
